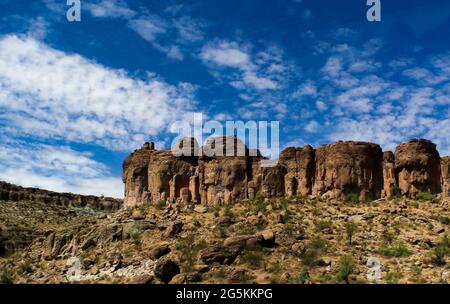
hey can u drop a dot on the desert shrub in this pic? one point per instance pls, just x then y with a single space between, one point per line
350 229
445 220
425 196
346 267
441 251
351 197
188 250
392 277
316 248
136 237
397 249
322 225
5 277
229 213
301 278
160 204
253 258
25 268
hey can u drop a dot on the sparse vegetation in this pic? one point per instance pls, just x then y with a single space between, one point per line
346 268
350 229
301 278
425 196
160 205
316 248
397 249
352 198
441 251
5 276
393 277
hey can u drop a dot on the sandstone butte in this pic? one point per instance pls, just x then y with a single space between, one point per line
345 170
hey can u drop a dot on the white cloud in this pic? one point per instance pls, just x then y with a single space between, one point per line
312 126
148 27
53 95
262 71
56 168
109 9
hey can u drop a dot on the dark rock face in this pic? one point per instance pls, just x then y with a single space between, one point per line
346 168
343 170
13 193
445 171
418 167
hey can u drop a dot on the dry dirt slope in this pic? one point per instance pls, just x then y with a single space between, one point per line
296 240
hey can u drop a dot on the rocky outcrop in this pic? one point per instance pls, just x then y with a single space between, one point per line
418 167
224 171
445 179
346 169
300 167
389 174
13 193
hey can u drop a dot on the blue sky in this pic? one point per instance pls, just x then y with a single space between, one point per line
76 98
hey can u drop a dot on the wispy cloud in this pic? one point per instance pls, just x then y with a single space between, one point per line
109 9
55 168
50 94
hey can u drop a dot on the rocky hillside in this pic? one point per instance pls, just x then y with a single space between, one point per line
278 240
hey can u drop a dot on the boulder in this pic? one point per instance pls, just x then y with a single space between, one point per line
418 167
219 254
166 269
159 251
346 169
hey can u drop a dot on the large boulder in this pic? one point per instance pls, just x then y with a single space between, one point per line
445 171
300 167
346 169
418 167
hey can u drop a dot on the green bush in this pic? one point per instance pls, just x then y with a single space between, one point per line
352 197
441 251
425 196
316 248
346 267
160 204
5 277
25 268
322 225
350 229
392 277
301 278
253 258
397 250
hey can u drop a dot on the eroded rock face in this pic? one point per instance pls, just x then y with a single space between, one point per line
346 169
300 167
389 174
445 180
135 176
418 167
224 171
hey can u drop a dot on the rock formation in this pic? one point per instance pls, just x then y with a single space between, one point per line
389 174
300 167
224 171
445 171
418 167
13 193
350 168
